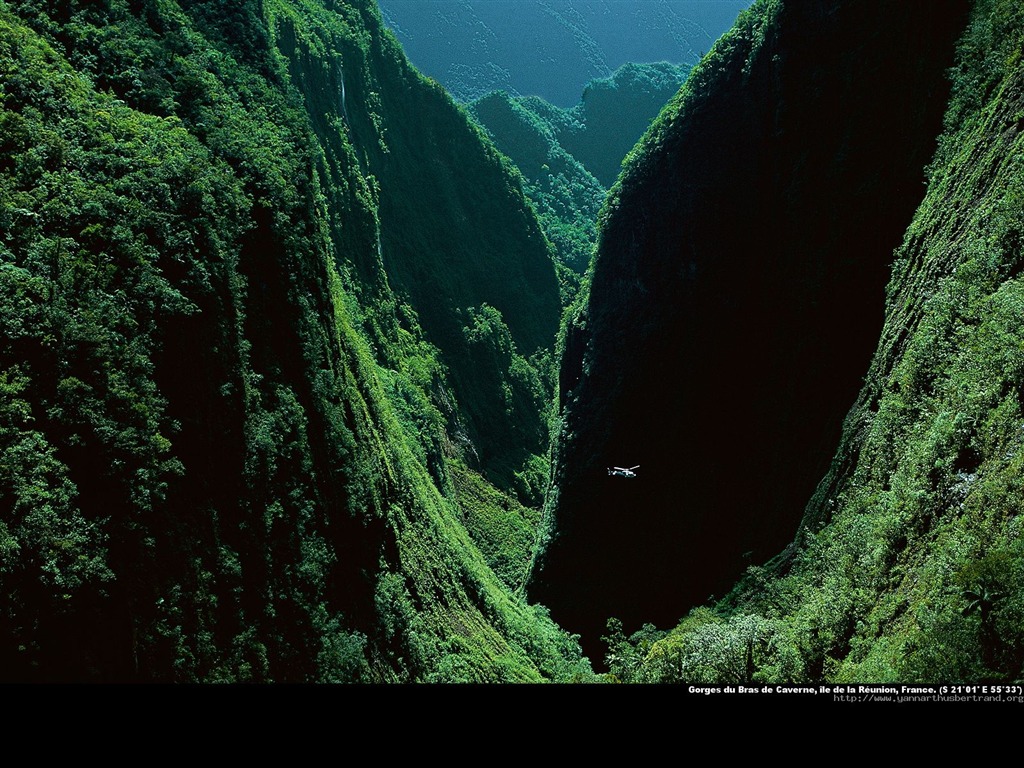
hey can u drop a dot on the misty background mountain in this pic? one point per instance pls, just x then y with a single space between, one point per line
564 88
550 48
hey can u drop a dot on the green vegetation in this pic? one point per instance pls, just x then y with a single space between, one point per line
909 564
503 529
430 236
235 435
734 302
278 374
565 195
615 112
568 157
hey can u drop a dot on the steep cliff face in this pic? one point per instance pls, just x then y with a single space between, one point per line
924 496
229 419
909 564
451 254
734 301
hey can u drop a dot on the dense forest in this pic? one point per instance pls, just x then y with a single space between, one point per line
278 358
570 157
312 374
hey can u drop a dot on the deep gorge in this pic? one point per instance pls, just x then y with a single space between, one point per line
311 374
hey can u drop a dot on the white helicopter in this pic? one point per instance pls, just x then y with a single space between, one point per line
623 471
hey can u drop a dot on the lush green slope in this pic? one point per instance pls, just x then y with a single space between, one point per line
909 565
225 436
562 153
566 196
615 112
735 297
474 268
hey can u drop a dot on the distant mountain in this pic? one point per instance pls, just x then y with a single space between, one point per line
569 157
614 113
550 48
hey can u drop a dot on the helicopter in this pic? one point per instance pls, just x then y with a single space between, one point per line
623 471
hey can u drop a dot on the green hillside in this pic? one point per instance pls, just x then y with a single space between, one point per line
260 346
615 112
907 564
734 300
281 397
565 195
569 157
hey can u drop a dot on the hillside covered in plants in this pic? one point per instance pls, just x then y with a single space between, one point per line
569 157
277 356
306 376
773 241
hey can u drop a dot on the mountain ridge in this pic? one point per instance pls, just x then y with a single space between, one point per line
768 302
279 375
228 444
